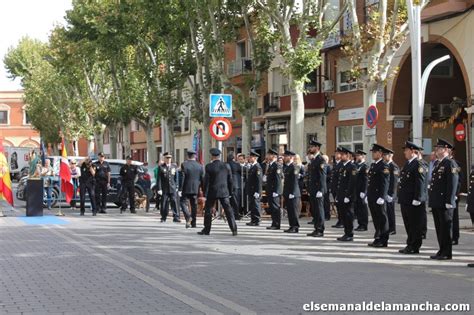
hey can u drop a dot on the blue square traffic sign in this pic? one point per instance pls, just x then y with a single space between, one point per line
220 105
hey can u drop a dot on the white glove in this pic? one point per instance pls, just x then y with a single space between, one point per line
275 194
415 203
290 196
256 195
390 199
362 195
455 197
448 206
366 201
160 192
319 194
180 193
264 178
346 200
380 201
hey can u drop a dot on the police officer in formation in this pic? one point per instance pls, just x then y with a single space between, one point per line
168 187
274 188
392 189
128 174
360 205
102 182
236 199
254 188
316 187
412 197
86 184
346 193
217 187
377 190
442 198
192 174
291 190
334 183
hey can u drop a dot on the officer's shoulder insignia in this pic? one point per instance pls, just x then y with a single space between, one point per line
386 171
421 170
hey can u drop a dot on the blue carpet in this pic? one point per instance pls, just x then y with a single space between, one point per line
42 220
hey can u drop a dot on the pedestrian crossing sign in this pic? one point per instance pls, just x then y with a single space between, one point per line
220 105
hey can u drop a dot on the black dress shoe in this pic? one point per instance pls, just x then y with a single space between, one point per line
293 230
455 242
360 229
234 233
103 211
338 226
252 223
163 220
380 245
470 265
441 257
393 232
311 222
312 233
203 233
133 212
345 238
371 244
272 228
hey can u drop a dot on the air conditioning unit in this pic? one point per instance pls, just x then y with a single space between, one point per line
331 103
328 86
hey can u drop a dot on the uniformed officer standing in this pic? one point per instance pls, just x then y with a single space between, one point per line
254 188
412 197
128 173
86 184
102 182
274 188
316 187
442 198
291 190
217 187
168 187
392 189
241 159
192 174
334 182
236 198
346 194
360 206
377 189
327 199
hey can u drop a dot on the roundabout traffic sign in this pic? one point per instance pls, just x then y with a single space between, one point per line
220 129
372 116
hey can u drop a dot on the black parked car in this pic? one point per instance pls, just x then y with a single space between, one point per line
142 184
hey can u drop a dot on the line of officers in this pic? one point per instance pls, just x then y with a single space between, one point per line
356 187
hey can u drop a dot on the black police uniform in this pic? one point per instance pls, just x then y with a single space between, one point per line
392 192
443 187
86 184
236 199
378 182
317 184
254 185
334 183
128 173
412 187
470 195
168 184
274 186
291 187
346 189
360 206
218 187
101 185
192 174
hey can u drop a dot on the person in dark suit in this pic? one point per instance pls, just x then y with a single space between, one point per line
192 174
412 197
274 188
346 194
316 187
128 174
168 187
442 198
254 188
217 187
392 189
236 199
377 189
334 181
327 199
360 206
291 190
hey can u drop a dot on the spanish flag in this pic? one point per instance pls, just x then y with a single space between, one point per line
5 182
65 175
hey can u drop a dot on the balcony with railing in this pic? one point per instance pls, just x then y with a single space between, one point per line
271 102
239 66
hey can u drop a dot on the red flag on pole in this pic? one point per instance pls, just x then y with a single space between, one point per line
65 175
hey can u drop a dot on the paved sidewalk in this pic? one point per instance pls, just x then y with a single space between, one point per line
132 264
